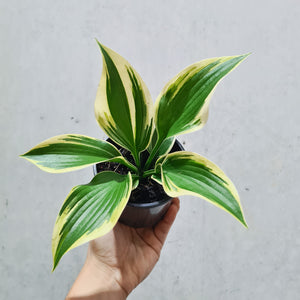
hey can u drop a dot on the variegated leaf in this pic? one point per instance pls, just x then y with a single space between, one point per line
182 106
123 105
157 177
185 173
68 152
90 211
164 148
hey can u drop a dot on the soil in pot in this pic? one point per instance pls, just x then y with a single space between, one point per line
148 202
148 190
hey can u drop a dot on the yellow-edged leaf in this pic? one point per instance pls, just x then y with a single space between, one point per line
68 152
163 149
90 211
123 105
187 173
182 105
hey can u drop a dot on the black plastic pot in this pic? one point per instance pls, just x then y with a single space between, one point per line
145 214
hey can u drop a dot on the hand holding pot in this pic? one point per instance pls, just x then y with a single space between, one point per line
117 262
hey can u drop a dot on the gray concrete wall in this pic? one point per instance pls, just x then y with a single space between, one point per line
50 68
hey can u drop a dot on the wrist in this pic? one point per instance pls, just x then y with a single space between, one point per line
97 281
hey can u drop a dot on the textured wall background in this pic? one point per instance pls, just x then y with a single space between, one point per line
50 68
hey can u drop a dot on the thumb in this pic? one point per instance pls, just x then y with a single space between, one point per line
162 229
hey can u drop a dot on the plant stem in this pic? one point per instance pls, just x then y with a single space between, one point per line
136 158
127 164
152 154
148 173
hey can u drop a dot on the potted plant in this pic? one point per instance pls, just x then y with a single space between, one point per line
140 154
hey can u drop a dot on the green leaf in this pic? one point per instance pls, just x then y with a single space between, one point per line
68 152
182 106
165 146
163 149
135 181
90 211
157 178
152 141
123 105
186 173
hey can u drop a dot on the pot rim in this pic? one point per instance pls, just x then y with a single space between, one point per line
149 204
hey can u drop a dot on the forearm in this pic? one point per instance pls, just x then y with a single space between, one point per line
96 283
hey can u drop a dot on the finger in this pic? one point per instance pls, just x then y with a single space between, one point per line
162 229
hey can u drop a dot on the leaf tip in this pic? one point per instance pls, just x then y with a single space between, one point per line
56 260
25 156
243 221
244 56
54 265
101 46
97 41
245 224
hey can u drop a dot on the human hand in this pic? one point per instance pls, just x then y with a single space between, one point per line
117 262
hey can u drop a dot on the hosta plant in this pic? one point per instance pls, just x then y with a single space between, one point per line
124 111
